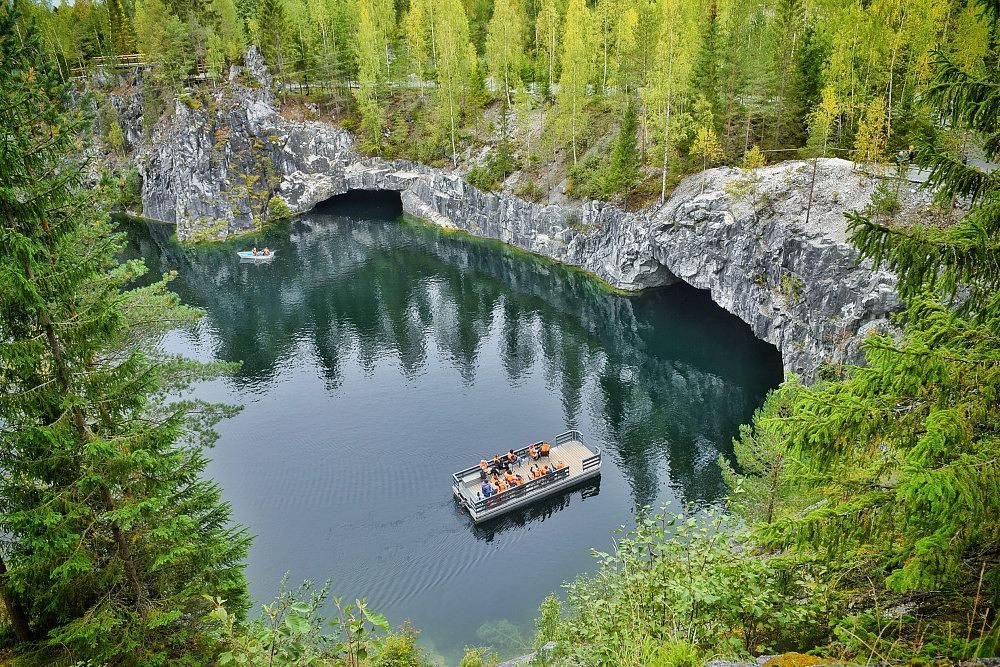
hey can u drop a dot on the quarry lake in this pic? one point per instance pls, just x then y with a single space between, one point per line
379 354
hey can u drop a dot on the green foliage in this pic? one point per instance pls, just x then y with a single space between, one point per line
530 190
112 537
500 160
272 35
547 623
478 657
770 481
622 173
885 202
277 210
790 287
691 579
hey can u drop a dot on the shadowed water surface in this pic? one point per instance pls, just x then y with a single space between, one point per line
380 354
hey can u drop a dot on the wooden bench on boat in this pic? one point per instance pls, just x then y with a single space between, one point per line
582 462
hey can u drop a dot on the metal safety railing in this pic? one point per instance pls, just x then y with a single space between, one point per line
502 497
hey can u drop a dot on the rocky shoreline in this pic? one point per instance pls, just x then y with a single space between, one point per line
797 285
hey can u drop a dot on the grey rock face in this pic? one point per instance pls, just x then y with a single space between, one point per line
796 285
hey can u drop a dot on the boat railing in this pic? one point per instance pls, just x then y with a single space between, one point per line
517 491
481 504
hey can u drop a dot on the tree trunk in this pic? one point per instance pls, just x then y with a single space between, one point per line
18 617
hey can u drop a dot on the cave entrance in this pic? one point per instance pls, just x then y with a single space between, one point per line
386 204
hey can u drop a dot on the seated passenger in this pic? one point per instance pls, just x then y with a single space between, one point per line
545 449
533 452
488 490
267 251
545 470
496 461
519 480
511 457
502 486
535 473
509 476
560 465
253 251
484 469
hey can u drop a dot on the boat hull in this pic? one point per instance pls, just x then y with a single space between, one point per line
559 486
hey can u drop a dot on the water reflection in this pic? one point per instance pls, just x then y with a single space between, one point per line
345 291
539 511
380 354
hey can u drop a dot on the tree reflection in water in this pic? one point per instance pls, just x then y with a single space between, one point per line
375 336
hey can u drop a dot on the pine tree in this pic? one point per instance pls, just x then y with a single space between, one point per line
906 450
576 72
122 31
112 537
705 73
622 174
234 42
787 35
273 26
769 481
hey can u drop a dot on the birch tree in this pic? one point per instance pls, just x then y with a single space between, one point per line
456 58
576 72
668 80
547 41
505 45
368 45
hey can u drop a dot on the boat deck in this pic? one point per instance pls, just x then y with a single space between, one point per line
582 462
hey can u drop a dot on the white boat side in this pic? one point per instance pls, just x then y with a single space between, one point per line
582 461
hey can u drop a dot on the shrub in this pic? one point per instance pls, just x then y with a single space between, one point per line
530 190
682 578
586 179
675 654
547 623
885 201
400 650
190 101
482 177
794 660
115 137
478 657
277 210
791 287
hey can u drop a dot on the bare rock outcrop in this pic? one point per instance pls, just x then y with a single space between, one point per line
797 284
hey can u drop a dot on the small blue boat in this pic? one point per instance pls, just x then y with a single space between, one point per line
248 256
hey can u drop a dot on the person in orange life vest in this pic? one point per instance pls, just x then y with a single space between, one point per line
545 449
533 452
502 486
560 465
511 458
519 480
484 469
535 473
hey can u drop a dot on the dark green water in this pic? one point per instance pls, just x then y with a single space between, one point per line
380 354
